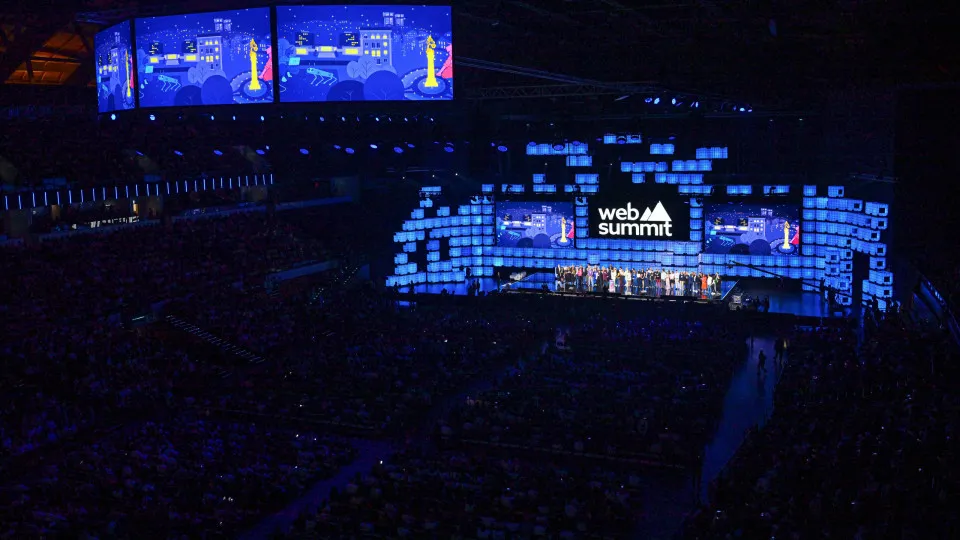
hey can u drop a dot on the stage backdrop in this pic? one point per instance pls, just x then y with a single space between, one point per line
438 244
114 55
219 58
365 53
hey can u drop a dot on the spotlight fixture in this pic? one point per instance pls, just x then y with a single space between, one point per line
448 149
656 101
410 145
501 148
261 152
337 147
374 146
398 150
113 117
349 151
152 117
212 117
262 119
217 153
178 153
304 151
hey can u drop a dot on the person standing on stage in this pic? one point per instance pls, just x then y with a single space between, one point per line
716 283
710 284
628 282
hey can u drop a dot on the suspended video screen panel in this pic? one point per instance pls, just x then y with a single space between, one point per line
752 228
221 58
114 55
365 53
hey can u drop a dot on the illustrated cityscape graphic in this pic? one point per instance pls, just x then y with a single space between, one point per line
205 59
365 53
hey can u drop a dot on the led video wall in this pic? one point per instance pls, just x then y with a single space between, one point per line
527 224
365 53
438 244
752 228
114 56
219 58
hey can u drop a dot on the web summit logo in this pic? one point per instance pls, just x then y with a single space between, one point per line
616 221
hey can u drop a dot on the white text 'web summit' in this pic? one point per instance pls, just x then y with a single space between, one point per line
629 222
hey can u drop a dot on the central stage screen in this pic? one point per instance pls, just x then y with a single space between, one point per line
752 228
220 58
114 69
365 53
641 213
525 224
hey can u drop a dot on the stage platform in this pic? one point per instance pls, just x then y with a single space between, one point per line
785 298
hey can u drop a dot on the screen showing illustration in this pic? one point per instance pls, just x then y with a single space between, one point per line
365 53
217 58
535 224
749 228
114 55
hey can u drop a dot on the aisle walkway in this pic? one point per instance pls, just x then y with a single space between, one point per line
668 498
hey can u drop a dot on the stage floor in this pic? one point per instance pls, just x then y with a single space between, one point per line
783 299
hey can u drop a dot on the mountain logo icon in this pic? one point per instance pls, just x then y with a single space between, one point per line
659 213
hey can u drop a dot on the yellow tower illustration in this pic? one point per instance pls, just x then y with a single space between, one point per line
563 230
254 78
129 81
786 235
431 63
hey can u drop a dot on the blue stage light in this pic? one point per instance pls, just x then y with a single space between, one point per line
673 101
139 153
261 152
448 149
234 118
304 151
410 145
212 117
322 119
113 117
405 119
336 147
377 118
349 150
656 101
152 118
262 119
742 109
501 148
217 153
374 146
177 153
343 118
397 149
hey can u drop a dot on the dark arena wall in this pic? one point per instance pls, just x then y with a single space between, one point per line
641 202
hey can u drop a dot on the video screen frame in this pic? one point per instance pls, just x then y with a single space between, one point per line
378 53
115 72
776 222
197 65
541 228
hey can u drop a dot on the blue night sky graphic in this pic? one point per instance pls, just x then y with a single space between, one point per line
181 82
319 76
113 49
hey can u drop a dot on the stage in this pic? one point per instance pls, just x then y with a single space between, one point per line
785 297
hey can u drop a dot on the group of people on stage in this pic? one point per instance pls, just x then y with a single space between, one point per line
648 282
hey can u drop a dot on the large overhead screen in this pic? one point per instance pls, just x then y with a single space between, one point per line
220 58
365 53
114 52
535 224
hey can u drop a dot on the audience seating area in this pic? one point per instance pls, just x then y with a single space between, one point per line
860 445
648 390
456 495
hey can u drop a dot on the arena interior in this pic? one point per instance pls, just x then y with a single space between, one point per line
281 271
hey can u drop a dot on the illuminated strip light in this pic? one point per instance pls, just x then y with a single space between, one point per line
351 51
326 48
172 56
190 58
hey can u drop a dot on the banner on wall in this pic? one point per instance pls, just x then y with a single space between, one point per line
640 213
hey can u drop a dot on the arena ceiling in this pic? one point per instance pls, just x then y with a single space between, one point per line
777 52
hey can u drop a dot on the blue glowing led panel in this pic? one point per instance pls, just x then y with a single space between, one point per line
752 228
220 58
535 224
365 53
115 84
